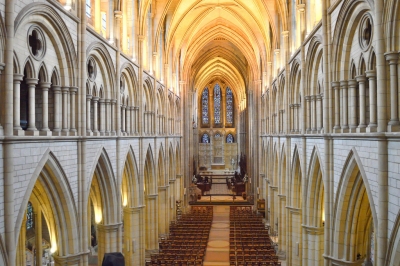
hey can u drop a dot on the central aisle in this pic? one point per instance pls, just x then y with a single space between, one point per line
217 252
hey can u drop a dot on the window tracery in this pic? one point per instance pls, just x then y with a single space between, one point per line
205 138
204 104
229 106
229 138
217 104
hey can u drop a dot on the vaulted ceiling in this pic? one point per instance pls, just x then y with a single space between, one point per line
208 40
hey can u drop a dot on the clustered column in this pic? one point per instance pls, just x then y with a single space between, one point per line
45 106
371 75
394 116
17 115
361 84
353 103
102 116
88 128
73 91
344 105
31 90
336 88
95 112
65 92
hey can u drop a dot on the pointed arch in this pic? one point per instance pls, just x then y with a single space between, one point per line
355 214
295 195
49 186
131 189
149 175
29 68
161 168
102 184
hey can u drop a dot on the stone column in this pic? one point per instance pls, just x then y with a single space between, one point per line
123 110
393 57
108 115
371 75
361 85
313 112
65 92
17 108
319 111
102 116
72 93
336 88
88 127
57 109
344 106
128 120
95 118
32 118
45 107
353 103
133 230
113 116
38 235
307 112
107 237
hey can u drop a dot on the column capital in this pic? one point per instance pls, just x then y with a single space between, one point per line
361 78
109 227
370 73
141 37
95 98
65 89
285 33
88 97
335 84
392 57
56 89
31 81
132 210
45 85
118 14
182 82
344 83
277 51
18 77
301 7
107 101
313 97
113 101
73 89
307 98
101 100
352 83
123 105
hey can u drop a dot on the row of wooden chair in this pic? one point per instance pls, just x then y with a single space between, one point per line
187 241
249 240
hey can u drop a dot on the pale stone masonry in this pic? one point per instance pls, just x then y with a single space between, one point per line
101 122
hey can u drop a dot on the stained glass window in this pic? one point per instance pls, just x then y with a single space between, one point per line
229 138
217 104
29 216
204 106
205 138
229 106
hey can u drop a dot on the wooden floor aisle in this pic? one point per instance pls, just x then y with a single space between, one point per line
217 252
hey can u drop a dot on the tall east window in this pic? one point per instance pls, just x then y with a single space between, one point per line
229 106
229 138
204 106
217 104
103 22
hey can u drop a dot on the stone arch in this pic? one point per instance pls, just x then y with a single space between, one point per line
43 75
50 187
295 182
29 68
393 252
314 57
294 203
131 78
102 57
149 95
314 206
16 65
354 215
55 77
282 177
161 168
131 188
343 36
51 22
102 177
3 252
